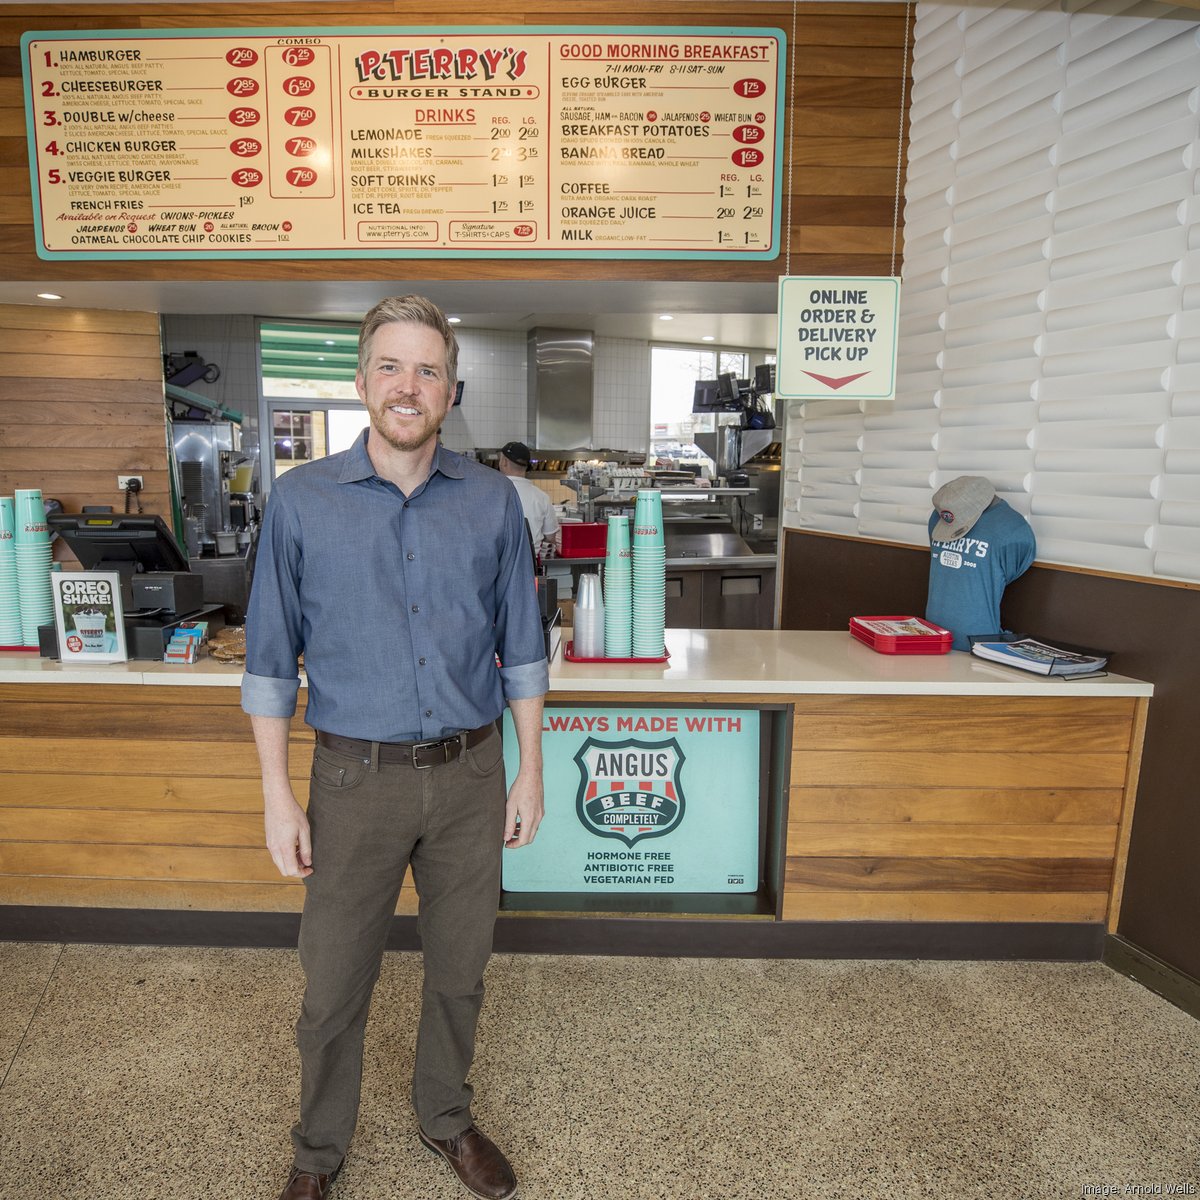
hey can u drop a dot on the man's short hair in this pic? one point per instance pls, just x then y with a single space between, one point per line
418 311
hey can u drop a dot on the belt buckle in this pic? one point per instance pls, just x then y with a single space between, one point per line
417 747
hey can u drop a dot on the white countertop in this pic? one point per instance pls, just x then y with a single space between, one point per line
778 662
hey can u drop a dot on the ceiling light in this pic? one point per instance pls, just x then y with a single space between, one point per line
48 296
708 337
454 320
666 317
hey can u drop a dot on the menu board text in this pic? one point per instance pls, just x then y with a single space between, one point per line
611 143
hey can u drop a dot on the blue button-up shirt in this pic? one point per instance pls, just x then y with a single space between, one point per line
399 604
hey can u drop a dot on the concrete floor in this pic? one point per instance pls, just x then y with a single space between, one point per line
164 1073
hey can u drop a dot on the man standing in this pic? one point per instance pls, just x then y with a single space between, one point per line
514 461
400 570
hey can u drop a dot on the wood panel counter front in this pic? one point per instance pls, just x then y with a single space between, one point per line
935 793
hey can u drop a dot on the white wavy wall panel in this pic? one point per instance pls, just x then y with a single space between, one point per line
1050 314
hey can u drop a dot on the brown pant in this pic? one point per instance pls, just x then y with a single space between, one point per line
369 823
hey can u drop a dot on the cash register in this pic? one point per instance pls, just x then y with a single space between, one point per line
158 588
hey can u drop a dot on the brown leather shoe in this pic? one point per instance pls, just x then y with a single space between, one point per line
304 1185
477 1162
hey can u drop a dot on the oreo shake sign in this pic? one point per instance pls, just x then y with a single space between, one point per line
630 790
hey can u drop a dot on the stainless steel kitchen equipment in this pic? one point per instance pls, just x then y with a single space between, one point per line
207 453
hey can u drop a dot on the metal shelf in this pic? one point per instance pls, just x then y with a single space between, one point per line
684 493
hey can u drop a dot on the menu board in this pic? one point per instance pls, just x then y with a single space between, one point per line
529 142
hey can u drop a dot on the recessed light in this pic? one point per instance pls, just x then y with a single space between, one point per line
454 320
666 317
48 296
708 337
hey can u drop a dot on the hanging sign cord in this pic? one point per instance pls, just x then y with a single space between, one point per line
787 270
899 135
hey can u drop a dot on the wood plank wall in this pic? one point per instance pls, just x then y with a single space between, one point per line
849 61
81 402
944 808
126 796
900 809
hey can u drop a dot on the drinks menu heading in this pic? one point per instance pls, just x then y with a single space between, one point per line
608 143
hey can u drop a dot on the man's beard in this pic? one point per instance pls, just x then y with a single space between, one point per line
408 439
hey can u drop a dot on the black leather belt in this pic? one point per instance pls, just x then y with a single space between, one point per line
420 755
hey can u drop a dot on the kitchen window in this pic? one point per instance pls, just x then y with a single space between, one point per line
306 391
674 373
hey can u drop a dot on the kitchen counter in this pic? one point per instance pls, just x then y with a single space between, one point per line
911 805
769 559
720 661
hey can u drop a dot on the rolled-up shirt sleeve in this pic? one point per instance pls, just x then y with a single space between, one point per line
520 643
274 629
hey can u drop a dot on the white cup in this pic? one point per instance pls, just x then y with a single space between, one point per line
90 627
589 592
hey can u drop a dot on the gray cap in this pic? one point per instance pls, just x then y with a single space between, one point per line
960 503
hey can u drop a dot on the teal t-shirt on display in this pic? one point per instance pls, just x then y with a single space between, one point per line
967 576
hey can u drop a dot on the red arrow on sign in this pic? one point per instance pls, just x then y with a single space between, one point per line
829 381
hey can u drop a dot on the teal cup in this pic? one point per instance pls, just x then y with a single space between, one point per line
30 526
8 525
648 518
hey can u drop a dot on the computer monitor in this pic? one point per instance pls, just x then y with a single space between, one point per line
131 543
764 379
707 398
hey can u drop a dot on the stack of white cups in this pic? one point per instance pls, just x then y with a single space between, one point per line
10 597
33 552
589 618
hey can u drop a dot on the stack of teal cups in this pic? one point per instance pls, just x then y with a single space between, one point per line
649 575
618 589
31 538
10 598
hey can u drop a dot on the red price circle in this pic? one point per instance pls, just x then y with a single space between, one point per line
74 644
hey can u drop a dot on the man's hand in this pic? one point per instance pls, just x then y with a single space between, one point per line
523 813
288 837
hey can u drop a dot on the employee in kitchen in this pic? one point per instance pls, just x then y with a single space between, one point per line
514 461
402 573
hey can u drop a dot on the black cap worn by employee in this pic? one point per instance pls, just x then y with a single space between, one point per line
960 503
518 453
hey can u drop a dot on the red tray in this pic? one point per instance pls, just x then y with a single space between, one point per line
587 540
936 641
569 656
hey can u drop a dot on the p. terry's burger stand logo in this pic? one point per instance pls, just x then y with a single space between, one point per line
643 800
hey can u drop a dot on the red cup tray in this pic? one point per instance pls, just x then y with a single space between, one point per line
569 656
936 641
